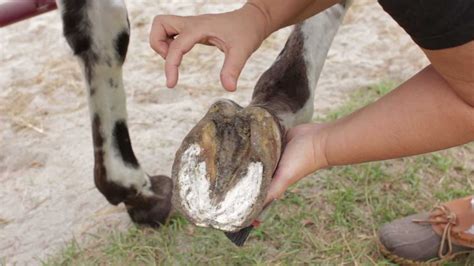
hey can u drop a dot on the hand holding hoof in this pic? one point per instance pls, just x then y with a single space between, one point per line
224 166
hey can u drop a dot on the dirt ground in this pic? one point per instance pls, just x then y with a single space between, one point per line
47 195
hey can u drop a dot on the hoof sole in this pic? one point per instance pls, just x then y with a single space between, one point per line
224 166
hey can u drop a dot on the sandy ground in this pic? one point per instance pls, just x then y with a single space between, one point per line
47 195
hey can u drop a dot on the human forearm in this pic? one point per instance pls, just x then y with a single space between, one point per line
282 13
421 116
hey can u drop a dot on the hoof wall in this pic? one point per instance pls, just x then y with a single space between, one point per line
152 210
224 166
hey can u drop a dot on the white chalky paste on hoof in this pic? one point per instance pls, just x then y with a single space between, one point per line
471 230
230 213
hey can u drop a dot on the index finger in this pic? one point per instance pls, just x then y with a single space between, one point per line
177 48
162 32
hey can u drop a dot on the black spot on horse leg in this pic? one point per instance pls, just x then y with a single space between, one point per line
285 84
123 144
113 84
76 26
97 137
77 30
113 193
121 45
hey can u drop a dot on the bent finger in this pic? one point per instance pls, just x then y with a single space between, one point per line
177 48
162 32
234 62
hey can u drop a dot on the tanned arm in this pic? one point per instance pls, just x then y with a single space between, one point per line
282 13
432 111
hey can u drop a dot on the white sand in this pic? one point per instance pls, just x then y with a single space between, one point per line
47 195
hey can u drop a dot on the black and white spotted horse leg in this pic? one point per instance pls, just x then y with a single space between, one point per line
287 88
98 32
224 166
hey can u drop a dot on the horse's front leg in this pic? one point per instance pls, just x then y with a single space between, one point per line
98 33
224 166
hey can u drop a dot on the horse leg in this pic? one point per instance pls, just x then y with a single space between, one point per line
98 33
224 166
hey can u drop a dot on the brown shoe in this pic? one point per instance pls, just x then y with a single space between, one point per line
429 237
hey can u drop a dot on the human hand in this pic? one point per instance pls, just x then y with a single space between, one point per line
303 154
238 34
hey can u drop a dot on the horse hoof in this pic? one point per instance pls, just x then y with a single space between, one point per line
154 209
222 171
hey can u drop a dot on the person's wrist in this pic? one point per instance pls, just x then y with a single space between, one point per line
320 138
261 17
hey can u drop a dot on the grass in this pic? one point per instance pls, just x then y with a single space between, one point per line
329 218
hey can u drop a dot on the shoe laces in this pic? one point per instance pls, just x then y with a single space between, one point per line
449 218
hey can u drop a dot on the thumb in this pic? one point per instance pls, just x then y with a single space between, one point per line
233 64
296 162
277 187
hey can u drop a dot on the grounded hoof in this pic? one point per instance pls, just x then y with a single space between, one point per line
224 166
152 210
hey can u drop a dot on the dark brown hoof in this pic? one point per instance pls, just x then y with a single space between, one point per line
224 166
152 210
